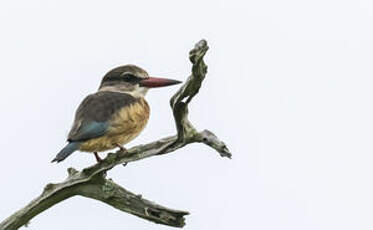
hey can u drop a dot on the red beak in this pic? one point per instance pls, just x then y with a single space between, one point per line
153 82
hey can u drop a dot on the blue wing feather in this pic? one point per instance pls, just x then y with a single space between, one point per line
93 116
92 119
89 130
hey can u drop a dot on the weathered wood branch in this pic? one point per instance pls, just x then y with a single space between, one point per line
91 182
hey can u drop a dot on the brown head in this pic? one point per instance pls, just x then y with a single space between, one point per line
133 80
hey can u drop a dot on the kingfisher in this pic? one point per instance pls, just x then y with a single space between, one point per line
115 114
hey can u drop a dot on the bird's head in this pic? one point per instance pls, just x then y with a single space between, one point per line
133 80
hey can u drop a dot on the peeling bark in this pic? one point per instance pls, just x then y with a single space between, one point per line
92 183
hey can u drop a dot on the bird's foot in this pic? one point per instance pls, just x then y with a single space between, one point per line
122 149
98 158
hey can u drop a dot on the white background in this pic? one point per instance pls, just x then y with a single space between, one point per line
289 89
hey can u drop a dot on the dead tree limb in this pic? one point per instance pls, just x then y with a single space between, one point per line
91 182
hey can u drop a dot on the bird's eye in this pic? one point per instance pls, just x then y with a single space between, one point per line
129 77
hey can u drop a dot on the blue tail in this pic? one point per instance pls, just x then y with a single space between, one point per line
67 151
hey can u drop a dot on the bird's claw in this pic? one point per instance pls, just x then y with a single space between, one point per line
98 158
122 149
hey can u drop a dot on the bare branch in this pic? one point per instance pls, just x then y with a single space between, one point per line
91 182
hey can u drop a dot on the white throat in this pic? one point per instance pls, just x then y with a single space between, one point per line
136 92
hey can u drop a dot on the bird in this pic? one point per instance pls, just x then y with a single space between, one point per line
115 114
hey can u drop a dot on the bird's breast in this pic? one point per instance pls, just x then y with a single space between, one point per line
130 120
125 125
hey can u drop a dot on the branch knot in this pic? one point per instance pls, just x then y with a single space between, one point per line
91 181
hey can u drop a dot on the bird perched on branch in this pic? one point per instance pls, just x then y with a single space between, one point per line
115 114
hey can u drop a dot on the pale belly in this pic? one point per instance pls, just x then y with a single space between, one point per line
126 125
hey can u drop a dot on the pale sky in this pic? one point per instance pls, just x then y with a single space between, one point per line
289 89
